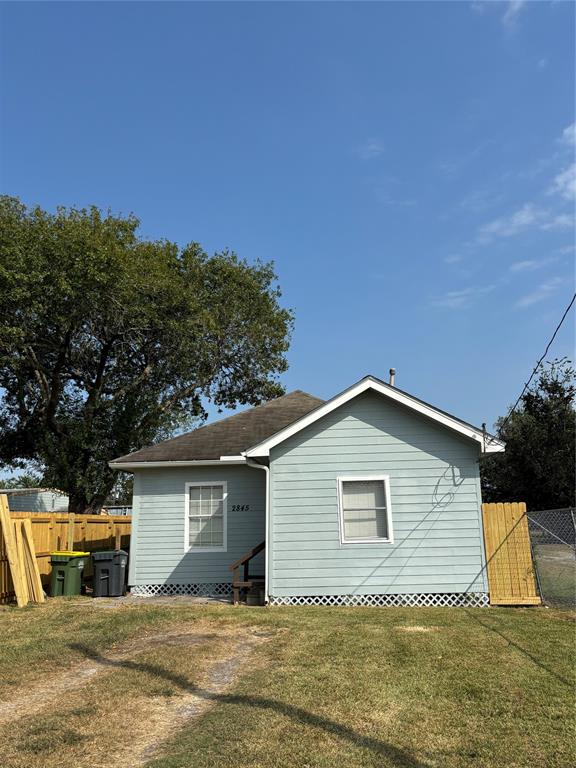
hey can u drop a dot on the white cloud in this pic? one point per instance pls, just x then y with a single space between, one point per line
453 258
370 149
512 12
529 216
456 165
542 64
385 197
564 183
481 200
543 292
523 266
569 135
478 6
462 298
510 16
560 221
529 265
507 226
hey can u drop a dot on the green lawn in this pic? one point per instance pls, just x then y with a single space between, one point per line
321 688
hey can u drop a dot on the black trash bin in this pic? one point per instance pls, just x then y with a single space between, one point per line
109 573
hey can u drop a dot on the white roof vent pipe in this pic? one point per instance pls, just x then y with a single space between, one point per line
392 376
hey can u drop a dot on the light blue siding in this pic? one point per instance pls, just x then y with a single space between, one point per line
37 501
157 554
435 500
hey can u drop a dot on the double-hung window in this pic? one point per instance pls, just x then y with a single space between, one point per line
364 509
206 516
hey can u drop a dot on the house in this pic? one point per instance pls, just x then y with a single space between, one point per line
36 499
372 497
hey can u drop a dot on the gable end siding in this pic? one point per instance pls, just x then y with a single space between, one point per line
435 499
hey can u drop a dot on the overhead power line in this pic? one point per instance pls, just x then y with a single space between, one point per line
568 308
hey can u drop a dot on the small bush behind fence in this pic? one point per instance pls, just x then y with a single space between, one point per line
553 539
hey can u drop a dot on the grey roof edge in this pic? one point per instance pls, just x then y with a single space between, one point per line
24 491
127 458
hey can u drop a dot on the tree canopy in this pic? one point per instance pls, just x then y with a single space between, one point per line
24 480
539 462
109 341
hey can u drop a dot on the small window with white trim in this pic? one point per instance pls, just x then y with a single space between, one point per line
206 516
364 506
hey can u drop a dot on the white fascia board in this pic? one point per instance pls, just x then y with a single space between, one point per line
233 459
493 445
131 465
489 444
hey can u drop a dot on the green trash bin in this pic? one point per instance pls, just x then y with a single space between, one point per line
67 568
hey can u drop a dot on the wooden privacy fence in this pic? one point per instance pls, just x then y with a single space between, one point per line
62 531
511 578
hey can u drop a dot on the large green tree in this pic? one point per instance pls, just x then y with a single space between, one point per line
109 341
24 480
539 462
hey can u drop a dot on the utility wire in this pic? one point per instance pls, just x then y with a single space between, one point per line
568 308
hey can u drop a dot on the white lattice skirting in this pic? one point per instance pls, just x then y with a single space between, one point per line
218 589
456 600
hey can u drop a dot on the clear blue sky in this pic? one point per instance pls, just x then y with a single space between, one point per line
408 166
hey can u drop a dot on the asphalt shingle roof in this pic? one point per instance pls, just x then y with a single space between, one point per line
232 435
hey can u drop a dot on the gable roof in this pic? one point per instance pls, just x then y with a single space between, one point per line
489 443
230 436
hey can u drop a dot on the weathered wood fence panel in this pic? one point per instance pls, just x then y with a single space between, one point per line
511 578
51 532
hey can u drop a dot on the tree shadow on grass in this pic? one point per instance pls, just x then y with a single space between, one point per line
397 757
535 660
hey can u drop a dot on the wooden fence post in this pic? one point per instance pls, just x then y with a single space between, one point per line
117 536
71 531
53 546
82 535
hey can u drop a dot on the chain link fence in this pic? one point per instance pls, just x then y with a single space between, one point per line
553 539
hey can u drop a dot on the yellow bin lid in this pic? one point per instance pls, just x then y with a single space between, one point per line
70 554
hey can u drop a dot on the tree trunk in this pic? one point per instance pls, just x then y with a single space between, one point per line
94 507
77 502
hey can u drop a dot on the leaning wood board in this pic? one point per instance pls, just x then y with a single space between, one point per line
30 556
7 532
21 562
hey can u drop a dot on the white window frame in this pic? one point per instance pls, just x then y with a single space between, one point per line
187 546
360 478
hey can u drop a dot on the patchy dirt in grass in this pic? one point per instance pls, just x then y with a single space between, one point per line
170 717
417 628
163 680
177 601
39 695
